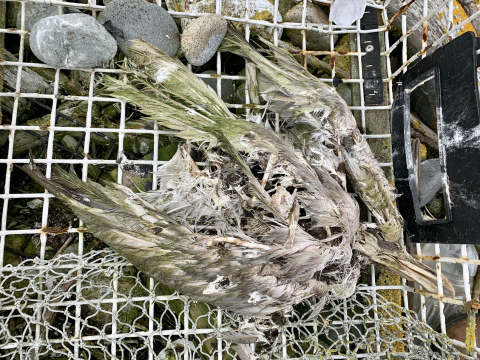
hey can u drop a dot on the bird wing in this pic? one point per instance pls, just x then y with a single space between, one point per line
206 268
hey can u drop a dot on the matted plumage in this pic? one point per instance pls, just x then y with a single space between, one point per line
267 223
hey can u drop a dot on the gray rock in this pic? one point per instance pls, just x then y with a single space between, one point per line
314 15
101 18
129 20
258 10
202 37
430 180
240 93
285 5
72 41
36 12
345 92
228 86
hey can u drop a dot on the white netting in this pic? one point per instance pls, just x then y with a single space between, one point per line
121 309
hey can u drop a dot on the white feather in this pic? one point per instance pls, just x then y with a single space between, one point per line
164 72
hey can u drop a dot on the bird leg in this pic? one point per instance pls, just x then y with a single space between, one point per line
396 259
272 160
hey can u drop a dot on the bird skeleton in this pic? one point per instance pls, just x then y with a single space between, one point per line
267 221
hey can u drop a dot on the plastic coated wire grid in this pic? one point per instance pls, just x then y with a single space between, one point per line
145 304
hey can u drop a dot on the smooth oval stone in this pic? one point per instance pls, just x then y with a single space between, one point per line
72 41
202 37
129 20
315 39
37 12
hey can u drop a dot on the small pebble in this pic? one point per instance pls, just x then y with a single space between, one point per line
72 41
202 37
315 15
129 20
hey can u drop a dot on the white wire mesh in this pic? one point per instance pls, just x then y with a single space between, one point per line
147 322
98 287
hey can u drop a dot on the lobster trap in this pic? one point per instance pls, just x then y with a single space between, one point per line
64 295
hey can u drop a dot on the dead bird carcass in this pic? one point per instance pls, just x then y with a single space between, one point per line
267 222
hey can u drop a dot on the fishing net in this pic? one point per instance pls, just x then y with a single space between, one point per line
122 311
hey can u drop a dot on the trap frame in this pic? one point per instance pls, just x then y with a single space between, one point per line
78 287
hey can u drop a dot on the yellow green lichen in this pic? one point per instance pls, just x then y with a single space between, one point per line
470 332
342 62
423 152
393 296
459 15
395 32
263 15
259 30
